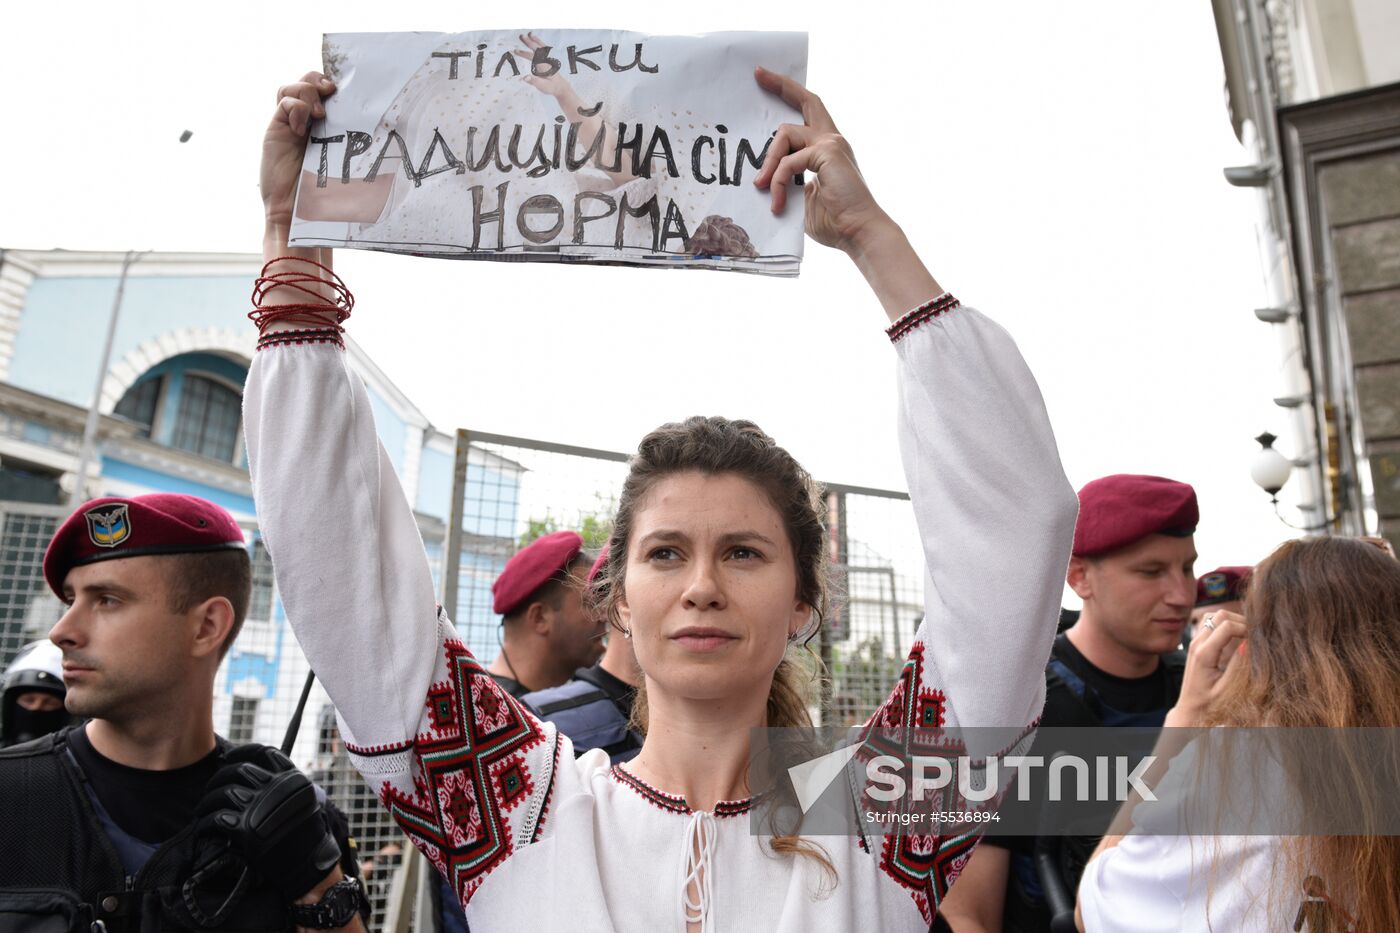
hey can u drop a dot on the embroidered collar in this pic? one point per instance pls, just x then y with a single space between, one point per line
674 803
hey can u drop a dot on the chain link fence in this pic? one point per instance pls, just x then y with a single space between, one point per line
28 609
506 492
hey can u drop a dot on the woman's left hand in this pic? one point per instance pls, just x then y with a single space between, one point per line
841 211
1214 658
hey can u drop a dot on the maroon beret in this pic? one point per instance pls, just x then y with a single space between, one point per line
1117 510
531 567
158 523
599 564
1221 585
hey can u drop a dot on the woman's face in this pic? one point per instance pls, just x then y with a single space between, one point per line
710 593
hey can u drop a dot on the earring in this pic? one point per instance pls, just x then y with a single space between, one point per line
627 633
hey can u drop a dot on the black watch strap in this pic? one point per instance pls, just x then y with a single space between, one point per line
337 907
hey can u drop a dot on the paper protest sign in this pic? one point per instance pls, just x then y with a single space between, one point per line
567 146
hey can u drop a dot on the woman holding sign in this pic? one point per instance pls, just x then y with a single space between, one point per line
717 570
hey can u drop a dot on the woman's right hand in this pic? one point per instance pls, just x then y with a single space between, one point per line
1211 661
284 144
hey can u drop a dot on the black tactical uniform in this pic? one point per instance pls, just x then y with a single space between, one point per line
69 864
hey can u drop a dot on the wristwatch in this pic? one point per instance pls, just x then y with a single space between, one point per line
336 907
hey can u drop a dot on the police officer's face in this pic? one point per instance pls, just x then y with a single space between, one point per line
710 592
1142 596
576 633
123 647
39 701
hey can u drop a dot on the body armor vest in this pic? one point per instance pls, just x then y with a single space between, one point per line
60 871
588 716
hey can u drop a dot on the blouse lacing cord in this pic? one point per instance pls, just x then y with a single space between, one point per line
697 864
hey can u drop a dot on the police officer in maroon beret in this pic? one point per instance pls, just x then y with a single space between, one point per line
1118 665
594 708
142 818
546 631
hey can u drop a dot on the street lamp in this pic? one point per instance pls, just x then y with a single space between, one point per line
1270 471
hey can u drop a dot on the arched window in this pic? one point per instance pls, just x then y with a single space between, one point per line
207 420
139 403
190 401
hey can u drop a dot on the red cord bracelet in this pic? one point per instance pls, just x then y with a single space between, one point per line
308 282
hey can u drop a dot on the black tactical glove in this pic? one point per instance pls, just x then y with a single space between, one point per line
269 813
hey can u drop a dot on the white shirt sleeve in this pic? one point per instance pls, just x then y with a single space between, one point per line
463 768
349 561
1135 887
996 517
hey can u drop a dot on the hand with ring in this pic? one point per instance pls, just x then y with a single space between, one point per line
1215 656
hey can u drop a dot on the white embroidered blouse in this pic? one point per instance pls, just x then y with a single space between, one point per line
532 839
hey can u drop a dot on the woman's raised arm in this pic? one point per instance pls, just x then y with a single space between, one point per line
995 511
352 572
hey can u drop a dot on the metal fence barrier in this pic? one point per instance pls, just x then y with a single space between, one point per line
27 608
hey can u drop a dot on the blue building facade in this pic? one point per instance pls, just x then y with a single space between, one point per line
170 407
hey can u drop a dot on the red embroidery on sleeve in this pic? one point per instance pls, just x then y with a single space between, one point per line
472 773
921 316
911 721
284 338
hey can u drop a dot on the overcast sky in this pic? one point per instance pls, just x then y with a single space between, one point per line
1056 165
